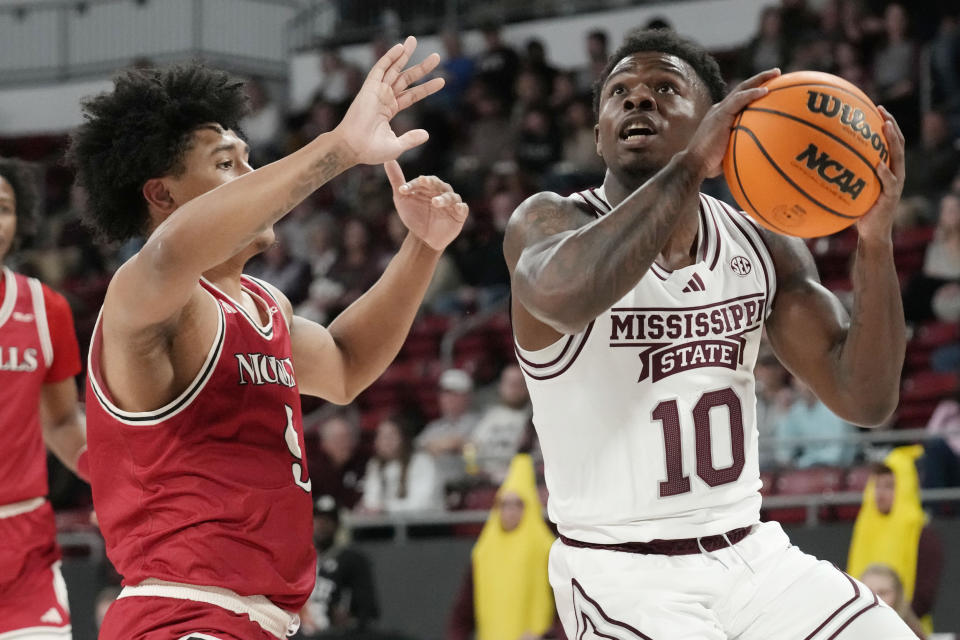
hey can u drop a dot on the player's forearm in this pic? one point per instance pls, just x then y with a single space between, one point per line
215 226
872 353
66 438
571 283
371 331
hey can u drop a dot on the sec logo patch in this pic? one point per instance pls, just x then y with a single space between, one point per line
741 266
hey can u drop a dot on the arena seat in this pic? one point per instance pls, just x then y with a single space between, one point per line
856 480
928 386
801 482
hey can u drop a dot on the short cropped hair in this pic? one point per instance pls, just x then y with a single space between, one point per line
669 42
24 179
142 130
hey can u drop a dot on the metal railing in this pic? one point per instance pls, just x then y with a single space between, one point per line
58 40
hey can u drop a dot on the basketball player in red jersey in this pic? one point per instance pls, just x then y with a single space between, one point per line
196 446
39 358
638 308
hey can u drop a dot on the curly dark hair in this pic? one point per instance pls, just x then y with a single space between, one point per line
665 41
24 178
141 130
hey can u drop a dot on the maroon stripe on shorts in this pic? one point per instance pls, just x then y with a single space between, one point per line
676 547
616 623
856 594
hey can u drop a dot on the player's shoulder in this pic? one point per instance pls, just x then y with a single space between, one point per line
542 215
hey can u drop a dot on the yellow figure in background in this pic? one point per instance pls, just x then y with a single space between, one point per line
512 595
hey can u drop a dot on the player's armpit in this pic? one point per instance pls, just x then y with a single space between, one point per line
814 337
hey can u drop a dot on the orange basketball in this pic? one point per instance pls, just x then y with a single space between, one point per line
802 159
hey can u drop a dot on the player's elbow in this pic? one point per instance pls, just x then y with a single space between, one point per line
873 412
552 305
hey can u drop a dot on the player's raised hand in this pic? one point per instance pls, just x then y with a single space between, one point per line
387 91
877 223
709 142
428 206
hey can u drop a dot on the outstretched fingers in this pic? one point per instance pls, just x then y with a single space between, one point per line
395 176
394 70
416 72
387 62
419 92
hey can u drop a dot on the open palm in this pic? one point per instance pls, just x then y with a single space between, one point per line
385 92
429 207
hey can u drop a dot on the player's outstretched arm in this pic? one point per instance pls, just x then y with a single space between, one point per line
340 362
853 362
210 229
565 273
62 422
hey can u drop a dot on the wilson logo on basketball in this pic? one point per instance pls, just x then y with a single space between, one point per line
831 171
850 116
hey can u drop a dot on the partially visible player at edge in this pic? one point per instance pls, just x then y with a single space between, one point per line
39 358
637 311
196 443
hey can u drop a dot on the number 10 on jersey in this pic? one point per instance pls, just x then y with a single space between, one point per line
667 413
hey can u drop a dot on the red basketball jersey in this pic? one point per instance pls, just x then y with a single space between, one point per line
30 356
211 489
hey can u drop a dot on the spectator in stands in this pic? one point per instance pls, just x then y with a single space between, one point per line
941 456
775 396
457 69
338 84
530 94
768 48
598 51
498 65
444 437
262 125
538 144
337 464
502 425
356 269
535 62
895 69
488 136
807 417
399 479
891 528
884 582
943 55
505 593
344 600
289 274
579 144
941 262
935 161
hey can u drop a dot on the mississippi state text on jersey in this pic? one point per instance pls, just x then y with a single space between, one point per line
211 489
647 417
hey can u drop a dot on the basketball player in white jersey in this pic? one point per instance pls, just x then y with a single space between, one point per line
637 311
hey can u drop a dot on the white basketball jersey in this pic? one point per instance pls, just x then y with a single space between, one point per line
646 418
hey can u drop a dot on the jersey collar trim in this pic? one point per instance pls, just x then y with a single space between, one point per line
10 296
264 330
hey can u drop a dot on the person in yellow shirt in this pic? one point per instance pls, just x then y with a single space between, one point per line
892 529
506 593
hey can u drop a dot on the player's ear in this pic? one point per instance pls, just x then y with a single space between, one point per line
158 196
596 138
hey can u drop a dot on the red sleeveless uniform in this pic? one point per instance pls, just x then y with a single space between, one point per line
37 347
212 488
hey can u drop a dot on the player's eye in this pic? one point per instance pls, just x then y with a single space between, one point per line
226 164
617 90
666 87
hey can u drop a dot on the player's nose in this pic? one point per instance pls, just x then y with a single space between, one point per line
641 97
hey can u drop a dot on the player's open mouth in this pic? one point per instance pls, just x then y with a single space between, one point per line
637 130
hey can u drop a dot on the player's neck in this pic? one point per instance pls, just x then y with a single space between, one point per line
226 277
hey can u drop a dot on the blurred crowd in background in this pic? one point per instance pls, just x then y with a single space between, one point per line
451 412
